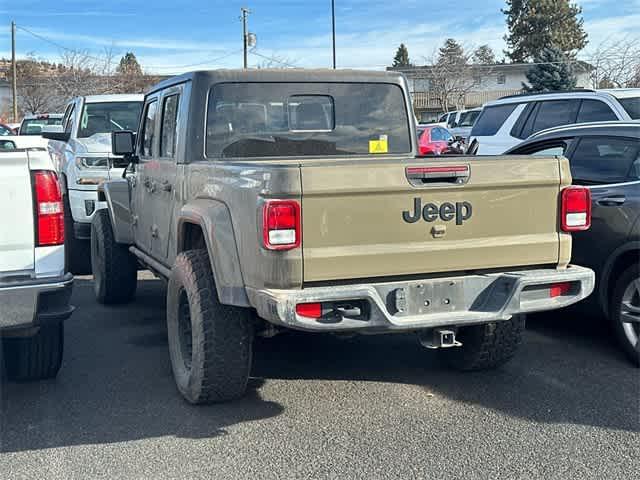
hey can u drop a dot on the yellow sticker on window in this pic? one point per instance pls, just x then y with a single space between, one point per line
379 146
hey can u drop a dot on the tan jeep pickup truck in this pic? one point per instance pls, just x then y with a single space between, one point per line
274 200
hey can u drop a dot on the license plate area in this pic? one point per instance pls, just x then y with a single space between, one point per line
427 297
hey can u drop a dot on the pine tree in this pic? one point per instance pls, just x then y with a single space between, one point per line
536 24
551 72
483 55
451 53
129 65
402 57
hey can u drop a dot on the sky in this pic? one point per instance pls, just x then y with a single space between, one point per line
171 37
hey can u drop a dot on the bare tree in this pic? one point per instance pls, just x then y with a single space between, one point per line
76 77
36 93
616 63
451 75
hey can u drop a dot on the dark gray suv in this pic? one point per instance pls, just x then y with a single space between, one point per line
606 157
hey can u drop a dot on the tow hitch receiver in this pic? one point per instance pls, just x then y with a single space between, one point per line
438 338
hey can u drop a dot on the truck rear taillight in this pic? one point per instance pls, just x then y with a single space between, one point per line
281 224
48 209
576 209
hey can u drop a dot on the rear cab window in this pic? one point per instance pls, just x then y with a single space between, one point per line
306 119
33 126
491 119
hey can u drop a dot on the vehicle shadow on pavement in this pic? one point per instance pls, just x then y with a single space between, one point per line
566 372
115 384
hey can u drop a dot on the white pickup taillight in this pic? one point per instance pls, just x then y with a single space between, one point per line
48 209
576 209
281 224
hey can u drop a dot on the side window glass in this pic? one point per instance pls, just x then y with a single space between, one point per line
69 119
169 130
435 135
557 150
148 128
553 113
595 111
605 159
446 135
491 119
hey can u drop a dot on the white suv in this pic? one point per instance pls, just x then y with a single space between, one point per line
83 157
504 123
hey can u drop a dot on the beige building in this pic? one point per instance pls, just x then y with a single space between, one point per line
477 85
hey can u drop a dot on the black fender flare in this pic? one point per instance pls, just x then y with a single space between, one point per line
214 218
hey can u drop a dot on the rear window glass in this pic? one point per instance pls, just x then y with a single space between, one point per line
491 119
468 118
7 145
632 106
33 126
605 159
306 119
595 111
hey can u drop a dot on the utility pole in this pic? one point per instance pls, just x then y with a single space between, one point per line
14 74
333 29
245 39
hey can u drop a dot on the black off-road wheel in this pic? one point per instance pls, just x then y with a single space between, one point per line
625 313
35 358
115 269
77 254
486 346
210 344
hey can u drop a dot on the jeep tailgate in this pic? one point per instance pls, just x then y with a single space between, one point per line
359 216
16 213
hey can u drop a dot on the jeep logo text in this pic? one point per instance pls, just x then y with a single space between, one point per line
461 211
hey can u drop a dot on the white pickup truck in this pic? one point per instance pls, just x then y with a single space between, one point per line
35 291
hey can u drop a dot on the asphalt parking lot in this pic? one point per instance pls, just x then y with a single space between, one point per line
375 407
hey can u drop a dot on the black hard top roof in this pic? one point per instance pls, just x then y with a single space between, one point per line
210 77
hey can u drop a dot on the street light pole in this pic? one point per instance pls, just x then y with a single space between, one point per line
333 29
245 40
14 74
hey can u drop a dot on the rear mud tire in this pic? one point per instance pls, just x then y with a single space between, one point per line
486 346
210 344
77 253
35 358
115 269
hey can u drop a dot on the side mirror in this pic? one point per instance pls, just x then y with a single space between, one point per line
58 136
123 143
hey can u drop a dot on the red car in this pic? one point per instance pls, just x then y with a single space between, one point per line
435 140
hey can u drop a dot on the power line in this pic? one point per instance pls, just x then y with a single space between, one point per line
113 62
273 59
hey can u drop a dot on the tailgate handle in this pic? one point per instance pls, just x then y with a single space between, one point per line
457 174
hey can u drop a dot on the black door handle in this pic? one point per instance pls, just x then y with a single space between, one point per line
611 201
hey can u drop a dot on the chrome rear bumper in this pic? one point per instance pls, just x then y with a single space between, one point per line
428 303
